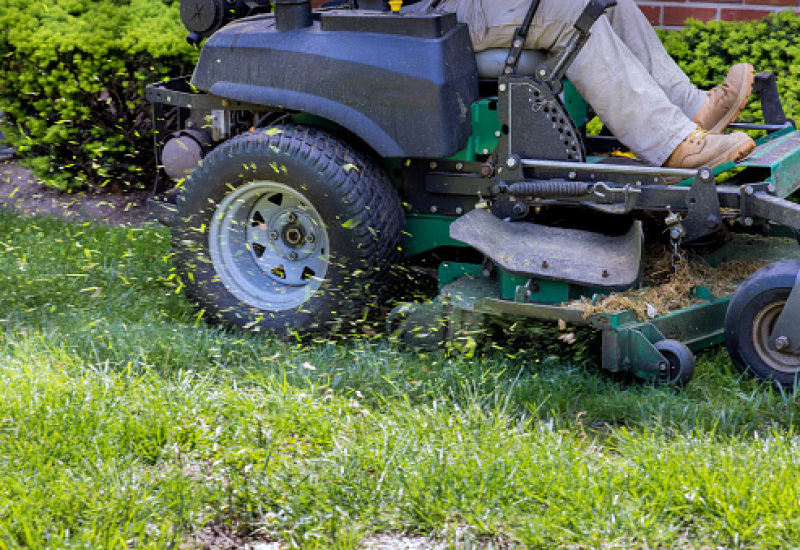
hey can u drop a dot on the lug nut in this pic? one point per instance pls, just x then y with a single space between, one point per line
781 343
291 256
273 235
292 217
311 238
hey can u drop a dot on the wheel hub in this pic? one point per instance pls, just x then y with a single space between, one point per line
290 235
269 245
777 355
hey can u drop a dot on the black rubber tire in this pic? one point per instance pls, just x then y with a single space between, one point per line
758 296
352 197
680 359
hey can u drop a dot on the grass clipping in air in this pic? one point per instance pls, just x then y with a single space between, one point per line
668 289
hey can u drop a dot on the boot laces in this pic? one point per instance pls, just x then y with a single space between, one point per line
724 93
697 135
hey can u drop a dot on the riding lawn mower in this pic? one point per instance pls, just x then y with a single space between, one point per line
319 151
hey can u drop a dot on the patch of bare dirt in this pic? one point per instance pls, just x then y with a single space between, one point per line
395 541
21 192
224 537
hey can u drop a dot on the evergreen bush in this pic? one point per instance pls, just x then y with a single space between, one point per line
72 78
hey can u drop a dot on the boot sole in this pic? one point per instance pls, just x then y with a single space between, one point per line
744 93
734 154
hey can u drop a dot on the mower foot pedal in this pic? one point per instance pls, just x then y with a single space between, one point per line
571 255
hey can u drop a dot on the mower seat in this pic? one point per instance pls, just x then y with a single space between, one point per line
492 62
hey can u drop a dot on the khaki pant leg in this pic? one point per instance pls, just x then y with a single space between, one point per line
630 24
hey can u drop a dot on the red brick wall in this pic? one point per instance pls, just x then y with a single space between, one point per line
672 13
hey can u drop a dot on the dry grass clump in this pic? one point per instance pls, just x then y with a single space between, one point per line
667 288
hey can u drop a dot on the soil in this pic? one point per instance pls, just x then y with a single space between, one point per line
21 192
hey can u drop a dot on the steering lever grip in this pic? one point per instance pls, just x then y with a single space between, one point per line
592 13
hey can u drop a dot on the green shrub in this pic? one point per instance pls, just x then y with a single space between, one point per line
72 78
706 52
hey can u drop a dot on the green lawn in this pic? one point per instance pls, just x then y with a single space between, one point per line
126 421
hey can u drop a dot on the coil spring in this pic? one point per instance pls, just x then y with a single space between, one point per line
545 189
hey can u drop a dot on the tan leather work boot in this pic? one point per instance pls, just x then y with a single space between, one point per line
724 103
701 148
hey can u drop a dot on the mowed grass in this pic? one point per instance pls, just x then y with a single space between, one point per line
126 421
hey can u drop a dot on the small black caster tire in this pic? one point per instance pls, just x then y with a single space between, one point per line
680 363
752 313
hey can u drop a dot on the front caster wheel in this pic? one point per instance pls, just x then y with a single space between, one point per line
680 363
752 315
287 230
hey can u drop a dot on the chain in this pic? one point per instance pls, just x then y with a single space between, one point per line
676 233
677 257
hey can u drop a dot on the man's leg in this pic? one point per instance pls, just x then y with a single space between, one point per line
627 98
630 24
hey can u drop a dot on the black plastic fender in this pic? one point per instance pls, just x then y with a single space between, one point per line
403 84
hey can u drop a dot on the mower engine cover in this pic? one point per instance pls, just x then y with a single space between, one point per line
402 83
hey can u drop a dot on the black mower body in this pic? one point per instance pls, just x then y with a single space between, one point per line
404 89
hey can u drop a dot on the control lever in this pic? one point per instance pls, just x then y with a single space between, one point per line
553 71
592 13
520 36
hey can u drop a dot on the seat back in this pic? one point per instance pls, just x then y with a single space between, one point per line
491 62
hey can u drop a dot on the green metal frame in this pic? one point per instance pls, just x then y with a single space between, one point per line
426 232
486 130
628 342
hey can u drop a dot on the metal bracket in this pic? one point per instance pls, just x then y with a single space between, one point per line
785 337
747 206
704 216
537 125
632 349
